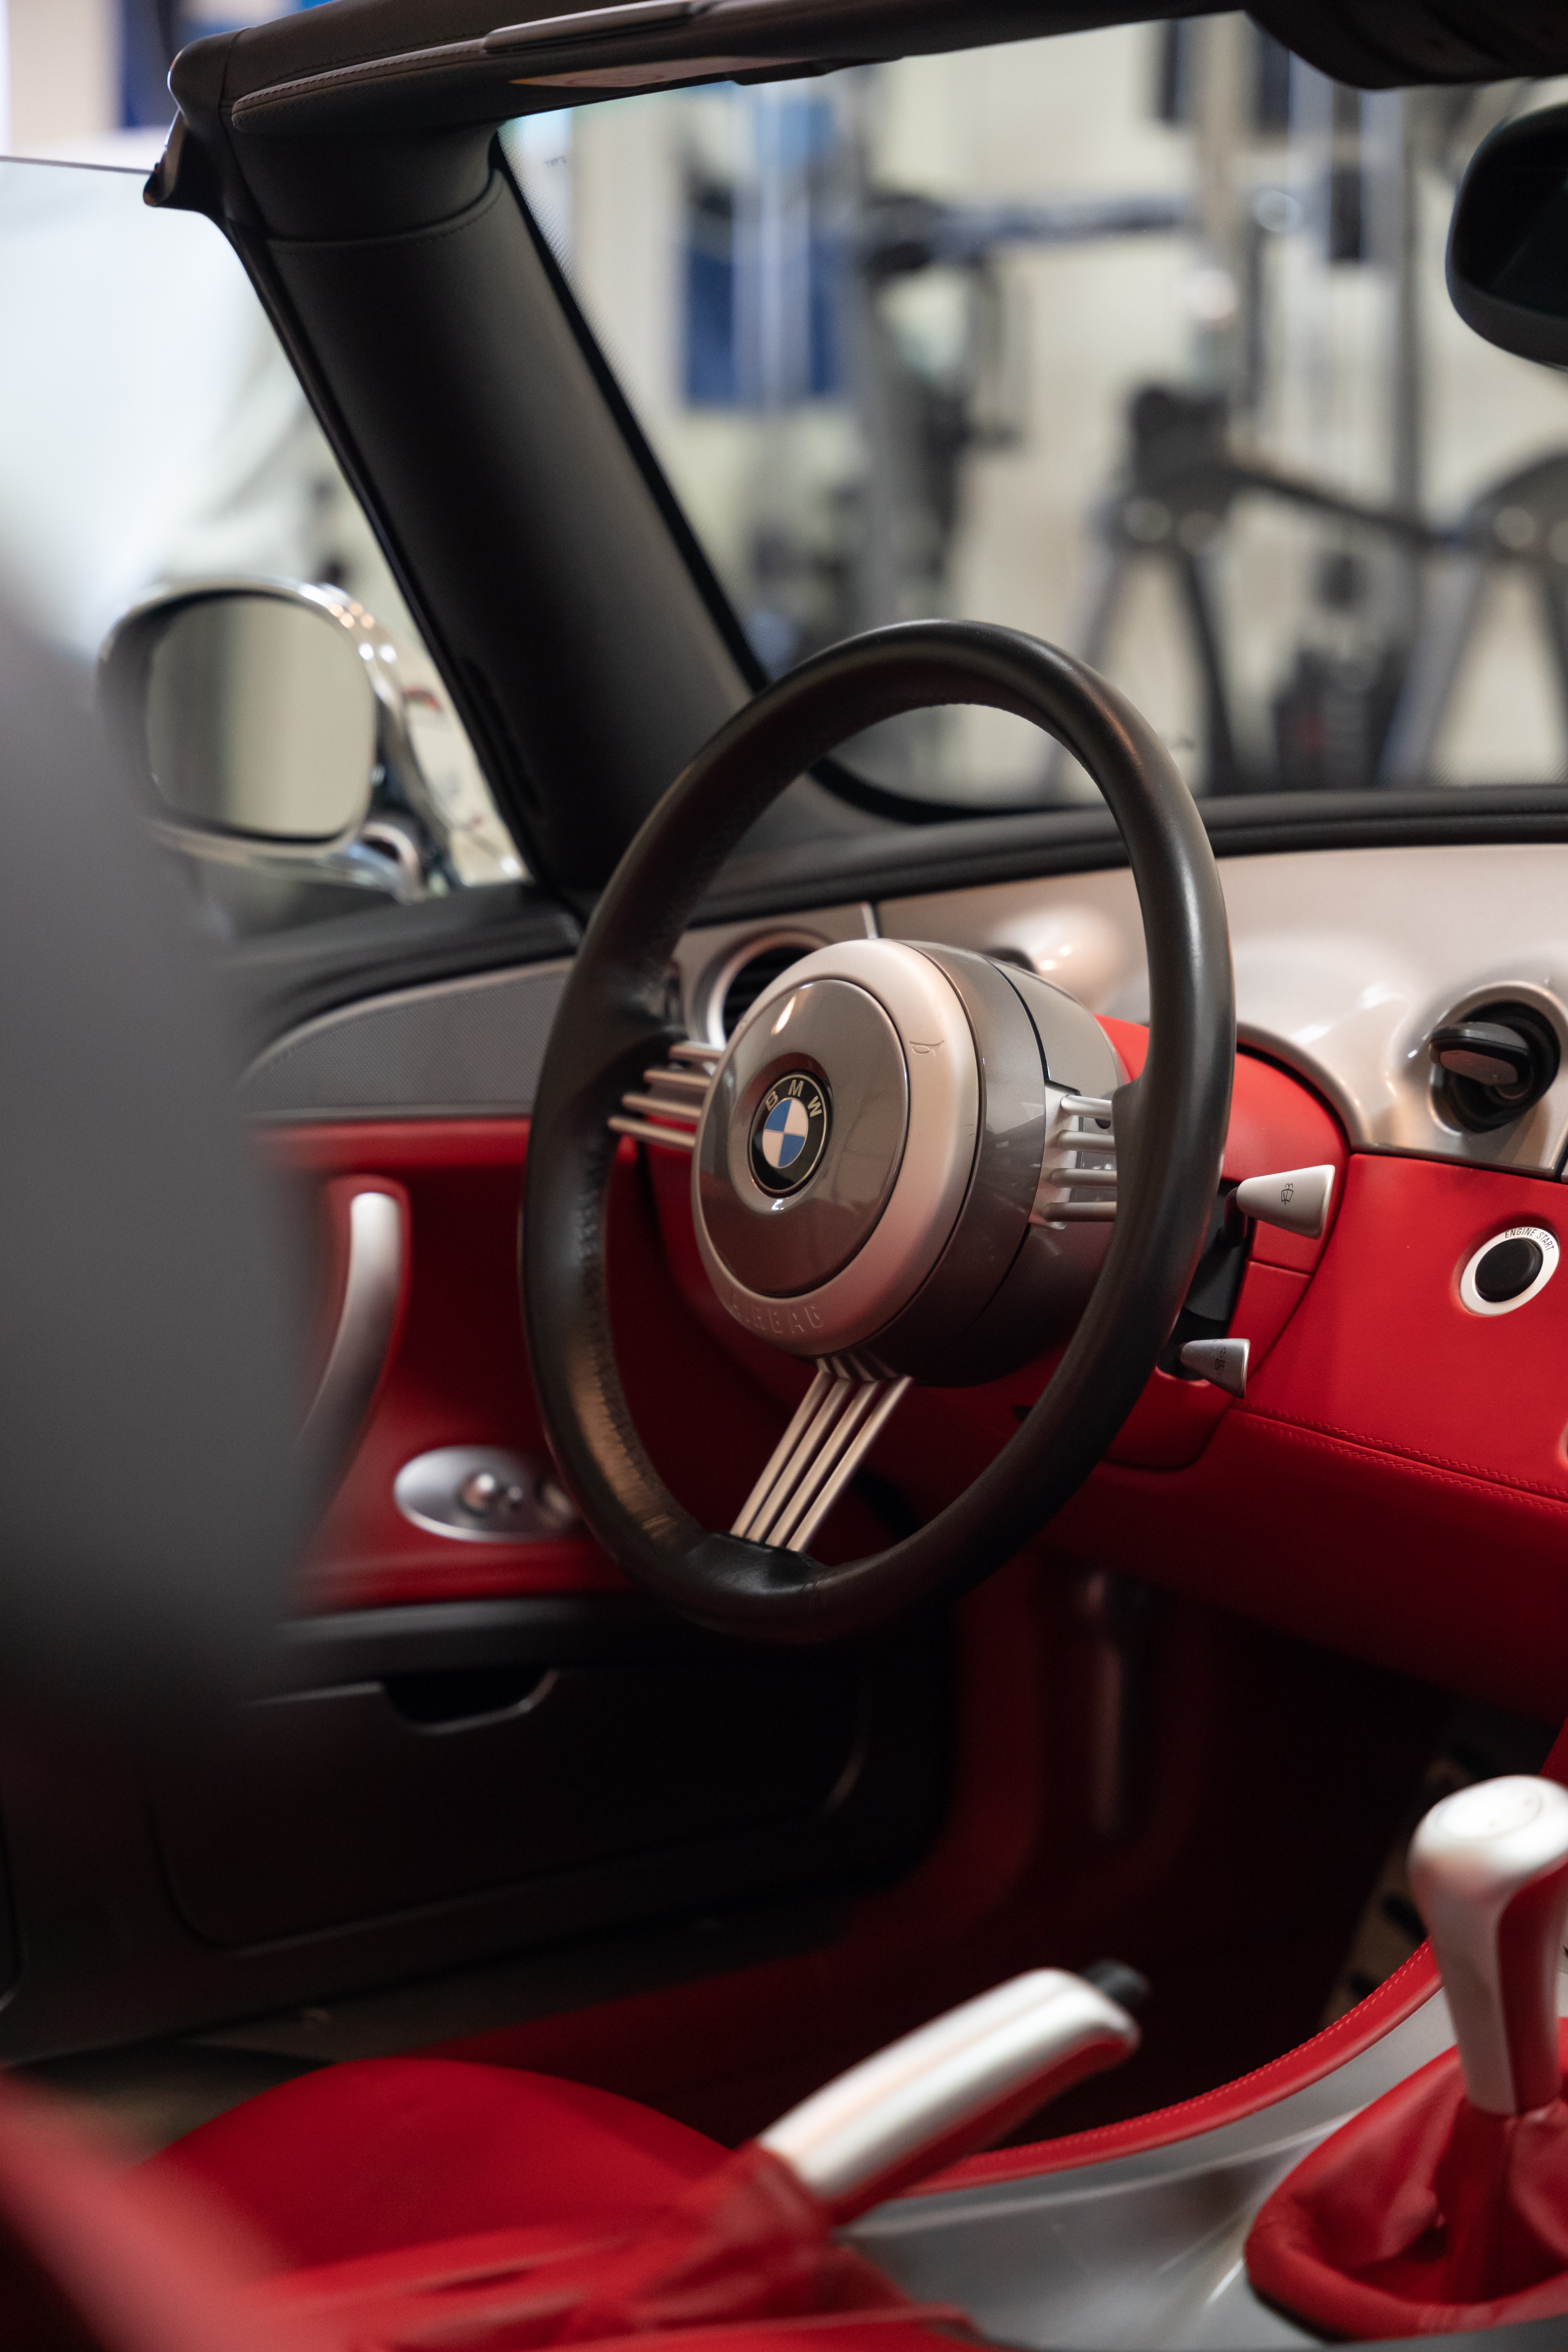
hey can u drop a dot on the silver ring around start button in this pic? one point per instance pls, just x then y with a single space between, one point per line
789 1131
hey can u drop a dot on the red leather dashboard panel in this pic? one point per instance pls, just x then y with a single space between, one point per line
459 1374
1275 1122
1395 1484
1385 1353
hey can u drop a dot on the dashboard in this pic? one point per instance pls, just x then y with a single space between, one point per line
1393 1482
1392 1485
1346 961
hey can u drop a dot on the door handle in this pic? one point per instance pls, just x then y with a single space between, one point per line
375 1270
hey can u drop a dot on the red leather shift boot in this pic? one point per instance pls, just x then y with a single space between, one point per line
1422 2215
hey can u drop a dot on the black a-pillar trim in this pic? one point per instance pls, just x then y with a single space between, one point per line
583 652
576 642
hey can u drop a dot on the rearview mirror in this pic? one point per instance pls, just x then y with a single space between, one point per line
247 712
1508 246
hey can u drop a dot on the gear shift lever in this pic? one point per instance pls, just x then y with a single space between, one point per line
1441 2207
1489 1869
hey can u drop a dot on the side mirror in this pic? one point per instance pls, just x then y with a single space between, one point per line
249 712
1508 246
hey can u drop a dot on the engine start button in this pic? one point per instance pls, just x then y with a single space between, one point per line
1508 1271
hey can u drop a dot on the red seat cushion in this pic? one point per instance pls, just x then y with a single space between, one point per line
386 2153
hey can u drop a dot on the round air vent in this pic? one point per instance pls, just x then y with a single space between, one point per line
737 983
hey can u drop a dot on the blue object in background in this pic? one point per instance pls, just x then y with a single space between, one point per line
712 358
709 291
154 32
728 248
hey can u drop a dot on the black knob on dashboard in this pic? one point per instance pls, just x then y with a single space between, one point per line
1494 1064
1488 1051
1507 1270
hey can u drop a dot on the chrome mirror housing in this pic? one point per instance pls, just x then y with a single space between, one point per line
260 721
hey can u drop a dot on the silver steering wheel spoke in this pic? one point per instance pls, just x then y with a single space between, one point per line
667 1108
1078 1180
833 1429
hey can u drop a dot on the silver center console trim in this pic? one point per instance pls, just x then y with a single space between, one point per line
1139 2254
1142 2253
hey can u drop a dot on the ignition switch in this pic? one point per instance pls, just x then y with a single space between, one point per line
1493 1066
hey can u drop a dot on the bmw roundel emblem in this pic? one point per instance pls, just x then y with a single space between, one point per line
789 1129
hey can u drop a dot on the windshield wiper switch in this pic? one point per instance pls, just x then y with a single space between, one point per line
1295 1199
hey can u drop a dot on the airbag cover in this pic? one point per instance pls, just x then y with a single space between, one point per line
832 1058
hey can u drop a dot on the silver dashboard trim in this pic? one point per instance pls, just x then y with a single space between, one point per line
473 1047
1346 959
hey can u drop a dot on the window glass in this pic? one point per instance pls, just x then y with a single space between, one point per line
1136 340
153 435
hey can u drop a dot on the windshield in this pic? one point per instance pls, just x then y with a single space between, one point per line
153 433
1136 340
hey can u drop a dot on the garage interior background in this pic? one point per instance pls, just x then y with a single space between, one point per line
1136 339
74 73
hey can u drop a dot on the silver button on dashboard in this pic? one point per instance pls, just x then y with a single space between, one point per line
1295 1199
1509 1270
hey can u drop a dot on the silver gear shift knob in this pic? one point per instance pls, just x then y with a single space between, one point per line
1489 1869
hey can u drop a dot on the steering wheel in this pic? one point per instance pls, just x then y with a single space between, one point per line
910 1162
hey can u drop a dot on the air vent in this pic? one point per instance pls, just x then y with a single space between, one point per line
759 971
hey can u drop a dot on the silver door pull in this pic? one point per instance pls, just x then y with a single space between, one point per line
367 1319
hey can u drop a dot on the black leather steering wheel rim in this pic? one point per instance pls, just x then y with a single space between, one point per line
612 1018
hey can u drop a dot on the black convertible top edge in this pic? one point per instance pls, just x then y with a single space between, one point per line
436 68
969 852
365 64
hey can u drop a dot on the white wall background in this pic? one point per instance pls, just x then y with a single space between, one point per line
60 74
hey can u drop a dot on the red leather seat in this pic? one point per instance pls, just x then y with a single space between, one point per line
393 2202
354 2174
373 2156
